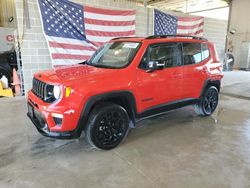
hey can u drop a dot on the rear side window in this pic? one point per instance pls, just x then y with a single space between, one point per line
191 53
204 51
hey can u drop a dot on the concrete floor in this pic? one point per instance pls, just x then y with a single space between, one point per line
178 149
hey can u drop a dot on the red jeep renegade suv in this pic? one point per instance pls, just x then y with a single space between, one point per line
126 80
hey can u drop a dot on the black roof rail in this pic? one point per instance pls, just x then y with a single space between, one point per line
124 38
169 36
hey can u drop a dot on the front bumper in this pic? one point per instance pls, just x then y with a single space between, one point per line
43 116
42 127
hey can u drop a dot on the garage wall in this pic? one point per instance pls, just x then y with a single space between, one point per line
241 22
216 32
34 50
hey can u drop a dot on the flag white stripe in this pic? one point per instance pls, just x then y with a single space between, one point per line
109 28
66 62
189 30
102 38
190 23
108 17
70 51
68 41
191 33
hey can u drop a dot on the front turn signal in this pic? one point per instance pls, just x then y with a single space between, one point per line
68 91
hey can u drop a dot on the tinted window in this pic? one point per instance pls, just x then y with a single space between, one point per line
205 51
168 54
191 53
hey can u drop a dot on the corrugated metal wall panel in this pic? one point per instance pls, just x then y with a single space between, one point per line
216 31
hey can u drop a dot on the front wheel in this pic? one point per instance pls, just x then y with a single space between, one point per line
107 126
208 102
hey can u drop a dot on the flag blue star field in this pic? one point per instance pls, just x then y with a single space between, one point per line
74 31
166 24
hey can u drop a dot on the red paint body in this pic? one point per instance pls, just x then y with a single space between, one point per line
163 86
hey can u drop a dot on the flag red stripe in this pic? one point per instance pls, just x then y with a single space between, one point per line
99 44
190 26
108 23
69 56
109 34
189 19
108 12
194 33
70 46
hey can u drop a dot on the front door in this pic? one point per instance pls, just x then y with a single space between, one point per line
163 85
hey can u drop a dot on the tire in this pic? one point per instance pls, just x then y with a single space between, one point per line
5 65
108 126
208 102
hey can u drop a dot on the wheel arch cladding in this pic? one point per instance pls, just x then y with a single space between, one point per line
125 99
208 83
216 83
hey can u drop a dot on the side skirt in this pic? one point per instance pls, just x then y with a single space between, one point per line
164 108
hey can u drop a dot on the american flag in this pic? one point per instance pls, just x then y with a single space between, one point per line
74 31
166 24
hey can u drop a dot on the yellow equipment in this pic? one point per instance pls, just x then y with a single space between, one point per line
5 92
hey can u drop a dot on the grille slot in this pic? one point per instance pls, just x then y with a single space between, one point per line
39 89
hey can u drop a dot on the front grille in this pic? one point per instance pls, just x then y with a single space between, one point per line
42 90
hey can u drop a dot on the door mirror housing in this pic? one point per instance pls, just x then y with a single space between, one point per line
154 65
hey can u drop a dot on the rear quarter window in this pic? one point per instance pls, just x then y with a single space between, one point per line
204 51
191 53
194 53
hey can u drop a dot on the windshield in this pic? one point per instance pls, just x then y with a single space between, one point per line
114 55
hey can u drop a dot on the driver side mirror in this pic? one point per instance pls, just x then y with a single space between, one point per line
154 65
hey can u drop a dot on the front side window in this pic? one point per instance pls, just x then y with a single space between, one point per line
192 53
114 55
167 54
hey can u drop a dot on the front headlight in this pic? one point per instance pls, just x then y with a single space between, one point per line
56 92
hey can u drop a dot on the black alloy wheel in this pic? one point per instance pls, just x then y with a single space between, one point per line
208 102
108 126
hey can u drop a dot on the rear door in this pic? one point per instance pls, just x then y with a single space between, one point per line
195 57
161 86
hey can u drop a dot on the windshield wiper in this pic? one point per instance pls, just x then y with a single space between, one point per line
83 63
94 65
86 63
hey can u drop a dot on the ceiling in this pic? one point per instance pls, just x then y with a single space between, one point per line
187 6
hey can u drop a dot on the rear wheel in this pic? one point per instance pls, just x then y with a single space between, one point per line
208 103
107 126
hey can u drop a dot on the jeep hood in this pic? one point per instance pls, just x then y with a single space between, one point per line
63 74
